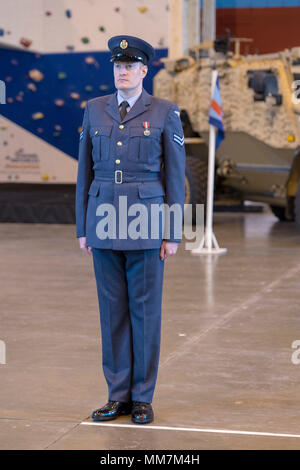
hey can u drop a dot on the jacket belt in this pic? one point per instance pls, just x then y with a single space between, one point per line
121 176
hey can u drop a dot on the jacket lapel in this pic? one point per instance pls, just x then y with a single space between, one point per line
112 107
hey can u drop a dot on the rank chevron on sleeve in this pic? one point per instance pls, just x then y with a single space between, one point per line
178 139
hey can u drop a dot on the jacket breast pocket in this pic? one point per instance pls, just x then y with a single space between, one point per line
101 142
142 147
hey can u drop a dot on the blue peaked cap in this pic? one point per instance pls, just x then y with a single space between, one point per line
130 49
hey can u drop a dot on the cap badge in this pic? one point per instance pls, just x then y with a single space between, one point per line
123 44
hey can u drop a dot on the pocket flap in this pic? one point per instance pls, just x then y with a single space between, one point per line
139 132
106 130
151 190
94 188
96 131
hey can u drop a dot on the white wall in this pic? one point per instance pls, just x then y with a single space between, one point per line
27 18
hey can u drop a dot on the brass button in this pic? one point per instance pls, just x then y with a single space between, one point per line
119 143
121 126
118 161
96 132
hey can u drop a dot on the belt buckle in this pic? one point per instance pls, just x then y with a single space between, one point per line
116 176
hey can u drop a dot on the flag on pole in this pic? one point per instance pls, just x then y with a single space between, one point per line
209 242
216 114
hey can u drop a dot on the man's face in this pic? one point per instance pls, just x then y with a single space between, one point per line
129 75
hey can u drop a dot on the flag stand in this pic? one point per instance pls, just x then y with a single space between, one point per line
209 244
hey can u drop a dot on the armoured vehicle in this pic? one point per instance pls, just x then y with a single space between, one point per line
259 159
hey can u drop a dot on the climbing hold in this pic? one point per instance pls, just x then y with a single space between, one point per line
36 75
61 75
59 102
37 115
89 60
25 42
31 86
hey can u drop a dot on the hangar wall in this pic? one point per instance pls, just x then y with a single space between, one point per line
273 24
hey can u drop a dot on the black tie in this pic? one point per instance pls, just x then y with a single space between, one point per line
123 110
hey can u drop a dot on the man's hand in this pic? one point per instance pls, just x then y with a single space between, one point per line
167 249
83 245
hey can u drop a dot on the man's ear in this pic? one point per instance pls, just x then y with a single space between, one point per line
145 70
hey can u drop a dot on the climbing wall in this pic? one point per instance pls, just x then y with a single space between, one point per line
53 58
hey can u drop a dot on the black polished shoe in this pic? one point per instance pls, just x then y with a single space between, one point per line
112 410
142 412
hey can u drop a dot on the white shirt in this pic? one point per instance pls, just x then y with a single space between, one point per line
130 101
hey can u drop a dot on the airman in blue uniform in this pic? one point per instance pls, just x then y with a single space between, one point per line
131 157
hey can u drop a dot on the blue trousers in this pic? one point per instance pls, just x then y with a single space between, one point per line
129 287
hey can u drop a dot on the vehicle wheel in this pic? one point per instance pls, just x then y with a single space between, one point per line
195 182
279 212
297 208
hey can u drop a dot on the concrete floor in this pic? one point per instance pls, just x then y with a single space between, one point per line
227 329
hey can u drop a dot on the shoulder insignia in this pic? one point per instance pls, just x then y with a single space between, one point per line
81 135
179 140
177 112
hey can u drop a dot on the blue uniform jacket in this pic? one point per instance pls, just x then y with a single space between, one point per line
108 144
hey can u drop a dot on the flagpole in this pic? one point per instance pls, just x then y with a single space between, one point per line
209 244
210 185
